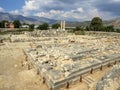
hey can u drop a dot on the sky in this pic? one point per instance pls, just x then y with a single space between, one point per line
79 10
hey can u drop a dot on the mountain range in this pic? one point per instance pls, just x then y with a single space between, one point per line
39 20
25 19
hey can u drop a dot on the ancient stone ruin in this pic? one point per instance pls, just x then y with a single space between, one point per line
63 60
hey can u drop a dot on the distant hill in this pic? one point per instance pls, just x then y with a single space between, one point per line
40 20
115 22
74 24
23 19
43 19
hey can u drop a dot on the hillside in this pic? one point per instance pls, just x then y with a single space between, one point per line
39 20
25 19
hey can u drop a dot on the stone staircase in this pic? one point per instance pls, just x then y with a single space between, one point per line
88 80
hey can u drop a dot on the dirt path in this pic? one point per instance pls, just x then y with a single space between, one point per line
14 76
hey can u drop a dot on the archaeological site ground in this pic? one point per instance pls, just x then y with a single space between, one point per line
58 60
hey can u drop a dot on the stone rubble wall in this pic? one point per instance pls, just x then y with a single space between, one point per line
111 79
47 33
103 34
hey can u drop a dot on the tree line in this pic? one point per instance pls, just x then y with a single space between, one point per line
96 24
45 26
17 24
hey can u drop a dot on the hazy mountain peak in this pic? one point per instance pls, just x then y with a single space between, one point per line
25 19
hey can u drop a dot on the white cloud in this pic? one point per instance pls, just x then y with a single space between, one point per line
56 10
68 9
50 14
94 13
35 6
42 14
1 9
15 12
61 15
80 9
31 5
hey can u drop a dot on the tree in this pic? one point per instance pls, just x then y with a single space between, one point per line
118 30
3 23
0 25
56 26
87 28
31 27
44 26
17 23
79 28
110 28
96 24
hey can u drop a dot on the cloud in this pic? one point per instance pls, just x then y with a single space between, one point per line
58 9
78 10
15 12
72 9
1 9
51 14
31 5
77 14
110 6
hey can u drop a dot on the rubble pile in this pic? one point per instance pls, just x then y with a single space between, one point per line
111 80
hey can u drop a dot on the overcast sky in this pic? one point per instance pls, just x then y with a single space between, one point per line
80 10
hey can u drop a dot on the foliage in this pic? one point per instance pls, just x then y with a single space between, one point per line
31 27
16 23
79 28
109 28
87 28
96 24
79 31
25 23
44 26
56 26
118 30
2 24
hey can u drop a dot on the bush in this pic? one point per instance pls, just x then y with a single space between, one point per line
118 30
56 26
44 26
31 27
79 31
